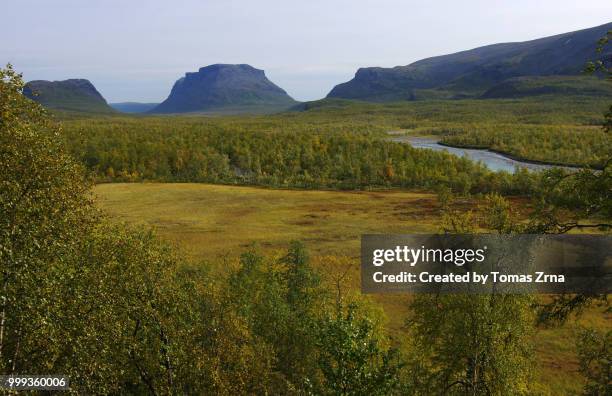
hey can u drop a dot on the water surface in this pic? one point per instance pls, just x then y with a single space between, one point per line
492 160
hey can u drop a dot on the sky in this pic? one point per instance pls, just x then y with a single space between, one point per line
134 50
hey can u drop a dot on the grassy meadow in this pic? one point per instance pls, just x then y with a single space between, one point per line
213 224
209 221
315 154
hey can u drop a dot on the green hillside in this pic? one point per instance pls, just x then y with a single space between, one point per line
68 95
470 73
550 85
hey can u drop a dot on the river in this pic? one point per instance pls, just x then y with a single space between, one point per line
492 160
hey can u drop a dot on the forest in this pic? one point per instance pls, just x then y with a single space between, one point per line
121 311
251 152
571 145
342 146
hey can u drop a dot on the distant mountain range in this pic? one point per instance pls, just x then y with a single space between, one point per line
225 88
70 95
476 72
550 65
216 88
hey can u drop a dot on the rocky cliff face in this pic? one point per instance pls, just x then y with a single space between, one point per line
224 88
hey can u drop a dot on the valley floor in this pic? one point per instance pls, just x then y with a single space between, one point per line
213 224
209 221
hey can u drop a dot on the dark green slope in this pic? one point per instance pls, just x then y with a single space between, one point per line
226 89
70 95
133 107
473 72
520 87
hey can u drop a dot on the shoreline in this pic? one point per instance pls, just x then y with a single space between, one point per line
518 158
503 154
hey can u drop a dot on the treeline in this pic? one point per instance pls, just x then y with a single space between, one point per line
269 153
561 129
557 144
542 110
341 144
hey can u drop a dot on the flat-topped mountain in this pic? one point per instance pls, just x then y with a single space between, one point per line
71 95
473 72
225 88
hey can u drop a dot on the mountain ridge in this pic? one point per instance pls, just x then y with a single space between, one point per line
471 72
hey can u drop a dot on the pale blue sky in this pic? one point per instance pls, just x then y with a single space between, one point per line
134 50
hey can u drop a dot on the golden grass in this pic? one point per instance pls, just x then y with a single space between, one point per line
210 221
215 223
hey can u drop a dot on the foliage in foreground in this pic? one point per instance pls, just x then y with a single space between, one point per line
116 310
595 356
119 312
472 344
